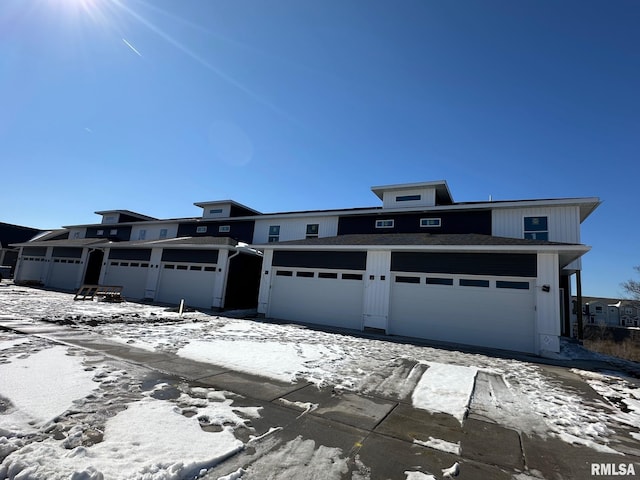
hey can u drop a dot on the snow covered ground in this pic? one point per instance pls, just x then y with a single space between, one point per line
102 424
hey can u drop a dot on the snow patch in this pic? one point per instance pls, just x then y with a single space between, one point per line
438 444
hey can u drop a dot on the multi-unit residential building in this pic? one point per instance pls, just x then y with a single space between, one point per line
612 312
487 273
10 234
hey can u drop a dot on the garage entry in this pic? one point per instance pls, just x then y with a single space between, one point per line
33 264
65 268
128 268
325 288
189 275
473 299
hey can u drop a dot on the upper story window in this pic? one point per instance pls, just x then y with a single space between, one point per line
408 198
312 230
274 233
224 228
100 232
113 231
76 235
110 219
202 229
215 211
384 223
430 222
536 228
142 235
163 233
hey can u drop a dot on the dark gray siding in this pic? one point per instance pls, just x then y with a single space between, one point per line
499 264
320 259
123 233
142 254
241 231
34 251
67 252
190 256
452 222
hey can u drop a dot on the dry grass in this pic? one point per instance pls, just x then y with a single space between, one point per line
617 342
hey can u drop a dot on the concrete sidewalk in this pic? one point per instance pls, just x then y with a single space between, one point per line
378 434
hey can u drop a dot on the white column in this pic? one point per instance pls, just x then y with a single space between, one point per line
548 319
220 278
377 289
265 282
153 274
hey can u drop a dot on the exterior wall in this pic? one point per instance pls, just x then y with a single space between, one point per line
548 320
478 221
294 228
239 230
428 198
152 231
225 207
121 232
377 283
265 282
563 223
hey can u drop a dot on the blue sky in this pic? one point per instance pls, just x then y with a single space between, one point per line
297 104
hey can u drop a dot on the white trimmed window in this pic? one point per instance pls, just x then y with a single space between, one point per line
312 230
384 223
202 229
113 231
224 228
274 233
536 228
100 232
430 222
142 235
163 233
215 211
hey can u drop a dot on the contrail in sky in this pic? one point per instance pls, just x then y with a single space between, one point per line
131 47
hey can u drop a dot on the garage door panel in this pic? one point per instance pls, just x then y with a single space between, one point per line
484 316
194 285
132 279
325 301
64 275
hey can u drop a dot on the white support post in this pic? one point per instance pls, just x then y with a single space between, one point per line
548 327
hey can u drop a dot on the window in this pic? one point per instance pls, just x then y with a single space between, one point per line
110 219
513 285
142 235
439 281
536 228
430 222
312 230
384 223
113 231
274 233
598 309
351 276
163 233
215 211
201 229
305 274
224 228
408 198
76 235
100 232
466 282
327 275
407 279
284 273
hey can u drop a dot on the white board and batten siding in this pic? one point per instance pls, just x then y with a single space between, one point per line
377 282
294 228
547 303
427 198
563 224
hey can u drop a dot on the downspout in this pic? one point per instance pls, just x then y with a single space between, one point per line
579 304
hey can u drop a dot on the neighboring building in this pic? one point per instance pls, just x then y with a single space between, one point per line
608 311
493 274
10 234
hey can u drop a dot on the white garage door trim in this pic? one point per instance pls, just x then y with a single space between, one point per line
318 296
462 309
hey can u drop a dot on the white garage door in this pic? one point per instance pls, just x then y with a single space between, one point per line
31 269
321 297
495 312
132 276
194 283
64 273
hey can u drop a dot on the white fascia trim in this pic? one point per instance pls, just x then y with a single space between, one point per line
581 249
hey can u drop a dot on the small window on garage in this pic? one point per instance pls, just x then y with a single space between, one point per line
312 230
400 279
124 264
512 285
327 275
472 282
135 264
439 281
430 222
384 223
536 228
169 267
284 273
209 269
202 229
115 264
305 274
351 276
195 267
274 233
224 228
181 267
